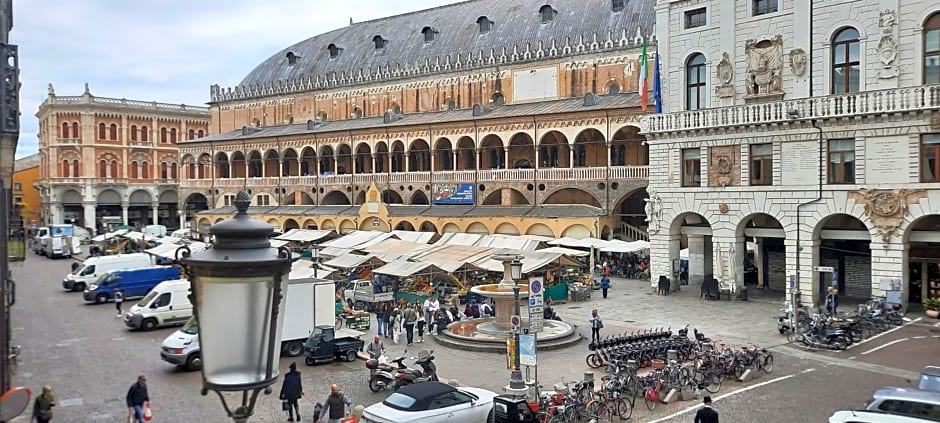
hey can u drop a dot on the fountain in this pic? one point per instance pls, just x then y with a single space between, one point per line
490 334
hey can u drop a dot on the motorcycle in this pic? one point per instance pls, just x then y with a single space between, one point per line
382 374
409 376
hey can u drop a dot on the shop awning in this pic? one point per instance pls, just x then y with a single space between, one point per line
396 246
417 237
403 268
579 243
305 235
458 239
277 243
333 251
454 253
356 239
565 251
168 250
617 246
508 241
531 261
352 261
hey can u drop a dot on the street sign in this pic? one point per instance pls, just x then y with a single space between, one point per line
828 269
536 292
527 350
535 318
516 322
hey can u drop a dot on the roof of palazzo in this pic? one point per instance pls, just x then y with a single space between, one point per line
581 25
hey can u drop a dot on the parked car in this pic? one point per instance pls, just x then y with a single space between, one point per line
134 283
166 305
866 416
433 402
907 402
324 345
88 271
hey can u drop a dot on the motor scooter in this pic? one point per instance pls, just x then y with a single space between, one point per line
382 374
409 376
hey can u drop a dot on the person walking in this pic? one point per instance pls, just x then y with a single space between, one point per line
376 348
42 406
387 315
137 399
291 391
380 318
832 300
409 317
335 407
431 305
394 322
706 414
605 285
421 323
118 301
596 325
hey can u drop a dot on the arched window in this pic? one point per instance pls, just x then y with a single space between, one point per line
75 130
334 50
191 170
115 172
547 13
291 58
200 134
65 129
695 82
76 171
102 131
357 112
485 24
163 135
145 170
102 169
144 133
174 171
134 169
133 132
112 132
163 171
428 33
65 168
846 61
201 172
173 136
932 49
379 42
613 89
192 134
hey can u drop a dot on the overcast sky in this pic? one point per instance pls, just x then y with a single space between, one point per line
164 50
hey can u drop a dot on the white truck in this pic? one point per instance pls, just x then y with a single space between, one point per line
361 292
60 241
310 302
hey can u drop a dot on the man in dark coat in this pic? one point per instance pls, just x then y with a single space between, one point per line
291 391
706 414
137 398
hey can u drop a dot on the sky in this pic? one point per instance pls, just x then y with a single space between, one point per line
163 50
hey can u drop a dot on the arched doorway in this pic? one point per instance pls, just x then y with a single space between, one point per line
391 197
290 162
398 156
466 154
346 226
237 167
631 210
291 224
343 159
255 164
554 150
419 198
761 257
923 260
327 161
506 228
568 196
628 148
73 212
450 228
195 203
540 229
381 157
577 232
506 197
477 228
308 161
590 149
223 168
335 198
363 158
419 156
166 212
492 154
139 208
691 244
404 226
444 155
521 152
842 242
272 164
427 226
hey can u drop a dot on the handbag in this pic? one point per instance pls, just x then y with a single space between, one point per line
148 413
285 405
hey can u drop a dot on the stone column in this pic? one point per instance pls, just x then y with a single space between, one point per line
571 156
155 207
478 154
697 260
124 206
889 262
454 166
90 219
759 261
56 213
664 248
505 164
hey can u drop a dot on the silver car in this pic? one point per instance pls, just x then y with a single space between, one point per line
909 402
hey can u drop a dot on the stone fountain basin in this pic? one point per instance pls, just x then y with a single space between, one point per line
489 330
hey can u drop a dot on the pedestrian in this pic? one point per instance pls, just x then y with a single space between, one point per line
486 310
431 305
706 414
421 323
596 325
832 300
605 285
376 348
394 330
409 317
336 406
387 314
42 407
291 391
380 318
137 399
118 301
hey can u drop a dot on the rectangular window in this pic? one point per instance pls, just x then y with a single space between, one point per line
930 158
17 200
762 164
691 167
17 187
229 200
842 161
763 7
695 18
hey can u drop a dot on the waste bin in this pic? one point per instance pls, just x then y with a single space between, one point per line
743 295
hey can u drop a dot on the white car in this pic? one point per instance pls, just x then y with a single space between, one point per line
433 402
874 417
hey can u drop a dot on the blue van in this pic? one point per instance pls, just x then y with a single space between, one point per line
133 283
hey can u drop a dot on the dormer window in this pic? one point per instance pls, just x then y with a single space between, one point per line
334 50
379 42
292 58
617 5
429 34
485 24
548 14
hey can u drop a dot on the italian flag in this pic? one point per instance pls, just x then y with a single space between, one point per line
644 75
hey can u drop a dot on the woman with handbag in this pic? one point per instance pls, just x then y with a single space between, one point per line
42 407
596 325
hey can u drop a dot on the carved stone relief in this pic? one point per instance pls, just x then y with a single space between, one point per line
764 66
798 61
887 45
723 166
887 208
654 212
725 72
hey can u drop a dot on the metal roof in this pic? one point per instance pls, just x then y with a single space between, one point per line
549 210
456 36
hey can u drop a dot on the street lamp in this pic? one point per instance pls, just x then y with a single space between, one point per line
238 287
512 272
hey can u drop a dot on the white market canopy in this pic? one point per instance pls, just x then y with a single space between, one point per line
358 239
565 251
304 235
617 246
277 243
416 237
401 268
579 243
531 261
352 261
168 250
490 241
396 247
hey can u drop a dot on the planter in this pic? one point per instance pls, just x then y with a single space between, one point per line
932 313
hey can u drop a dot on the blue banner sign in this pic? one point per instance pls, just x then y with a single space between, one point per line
451 194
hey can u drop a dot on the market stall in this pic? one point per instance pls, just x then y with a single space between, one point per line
415 281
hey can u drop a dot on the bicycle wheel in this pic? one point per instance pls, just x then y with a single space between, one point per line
712 382
768 364
592 360
648 398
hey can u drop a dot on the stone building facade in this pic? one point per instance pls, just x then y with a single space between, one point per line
108 157
518 105
799 136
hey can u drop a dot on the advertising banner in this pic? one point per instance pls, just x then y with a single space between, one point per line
455 194
527 350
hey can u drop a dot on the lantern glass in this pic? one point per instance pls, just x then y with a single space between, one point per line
515 270
236 352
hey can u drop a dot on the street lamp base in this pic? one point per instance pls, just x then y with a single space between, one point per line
510 390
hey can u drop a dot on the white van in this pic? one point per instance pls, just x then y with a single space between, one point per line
91 269
166 305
